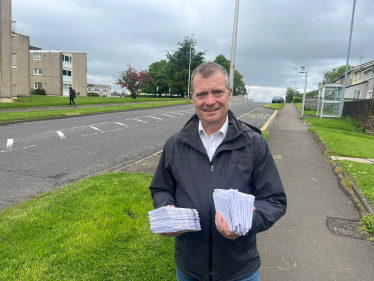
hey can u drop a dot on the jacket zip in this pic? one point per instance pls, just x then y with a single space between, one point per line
211 223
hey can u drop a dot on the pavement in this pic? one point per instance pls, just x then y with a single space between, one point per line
317 239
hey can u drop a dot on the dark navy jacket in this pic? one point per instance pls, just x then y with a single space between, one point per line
186 178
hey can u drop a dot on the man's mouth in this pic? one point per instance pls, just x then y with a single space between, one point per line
211 110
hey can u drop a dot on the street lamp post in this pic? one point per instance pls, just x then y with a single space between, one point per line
306 81
346 66
189 73
233 48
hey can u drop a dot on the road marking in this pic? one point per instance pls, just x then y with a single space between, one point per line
9 145
62 136
76 127
29 146
268 122
97 129
138 120
176 113
121 124
156 118
168 115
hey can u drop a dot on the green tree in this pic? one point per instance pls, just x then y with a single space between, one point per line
239 85
177 65
157 72
329 76
290 93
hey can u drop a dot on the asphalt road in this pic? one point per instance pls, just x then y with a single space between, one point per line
42 156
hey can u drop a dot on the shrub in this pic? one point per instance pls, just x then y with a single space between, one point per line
38 91
91 94
297 99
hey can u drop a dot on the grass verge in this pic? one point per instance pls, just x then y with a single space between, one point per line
45 101
276 106
265 134
95 229
363 175
306 111
25 115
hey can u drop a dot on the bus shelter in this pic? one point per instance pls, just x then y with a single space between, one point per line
330 98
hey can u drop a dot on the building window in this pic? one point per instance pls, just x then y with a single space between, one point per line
356 95
37 56
38 85
351 75
360 75
66 58
104 90
89 89
97 90
66 86
66 72
366 75
38 71
14 60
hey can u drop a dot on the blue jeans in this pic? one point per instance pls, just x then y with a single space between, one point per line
255 276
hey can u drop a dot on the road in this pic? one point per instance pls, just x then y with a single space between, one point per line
42 156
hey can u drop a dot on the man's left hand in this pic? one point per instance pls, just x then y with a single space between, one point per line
223 228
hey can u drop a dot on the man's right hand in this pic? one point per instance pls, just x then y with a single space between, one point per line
171 234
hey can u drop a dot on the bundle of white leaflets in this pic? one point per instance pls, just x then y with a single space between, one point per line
169 219
236 208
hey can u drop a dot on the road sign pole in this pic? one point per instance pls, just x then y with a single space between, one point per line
306 81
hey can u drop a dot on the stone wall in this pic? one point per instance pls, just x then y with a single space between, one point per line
362 111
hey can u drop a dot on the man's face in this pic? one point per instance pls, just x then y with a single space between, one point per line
211 100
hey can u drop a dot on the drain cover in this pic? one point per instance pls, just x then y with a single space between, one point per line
346 228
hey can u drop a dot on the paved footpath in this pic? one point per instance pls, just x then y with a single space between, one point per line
300 246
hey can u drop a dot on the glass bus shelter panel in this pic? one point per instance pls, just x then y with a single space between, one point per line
333 94
331 109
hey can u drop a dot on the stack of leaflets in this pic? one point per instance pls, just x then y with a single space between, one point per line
236 208
169 219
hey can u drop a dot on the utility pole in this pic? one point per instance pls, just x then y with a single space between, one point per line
233 48
189 73
306 81
346 66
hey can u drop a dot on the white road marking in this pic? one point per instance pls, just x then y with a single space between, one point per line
176 113
168 115
9 145
156 118
138 120
97 129
29 146
121 124
62 136
76 127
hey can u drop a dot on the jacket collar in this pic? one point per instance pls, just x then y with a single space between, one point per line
235 137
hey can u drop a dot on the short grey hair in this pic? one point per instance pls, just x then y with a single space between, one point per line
206 70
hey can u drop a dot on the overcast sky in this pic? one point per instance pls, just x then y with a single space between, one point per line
274 36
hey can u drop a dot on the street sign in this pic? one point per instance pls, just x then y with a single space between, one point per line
302 69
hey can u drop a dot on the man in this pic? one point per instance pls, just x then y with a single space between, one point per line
72 96
214 150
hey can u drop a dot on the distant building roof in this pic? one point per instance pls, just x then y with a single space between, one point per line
98 86
33 47
53 51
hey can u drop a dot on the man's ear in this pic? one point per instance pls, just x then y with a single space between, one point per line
230 94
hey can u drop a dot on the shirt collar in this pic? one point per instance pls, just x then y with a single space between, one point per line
223 129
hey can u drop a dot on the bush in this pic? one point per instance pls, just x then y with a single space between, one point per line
38 91
297 99
91 94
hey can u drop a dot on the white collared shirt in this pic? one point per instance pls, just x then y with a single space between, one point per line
215 139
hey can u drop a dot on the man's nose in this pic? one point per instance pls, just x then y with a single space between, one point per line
210 99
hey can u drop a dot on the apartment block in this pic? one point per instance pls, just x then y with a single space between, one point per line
14 57
102 90
56 71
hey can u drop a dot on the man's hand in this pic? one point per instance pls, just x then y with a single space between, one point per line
171 234
223 228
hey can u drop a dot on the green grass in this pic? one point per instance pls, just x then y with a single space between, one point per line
276 106
363 175
306 112
343 136
45 101
95 229
265 134
26 115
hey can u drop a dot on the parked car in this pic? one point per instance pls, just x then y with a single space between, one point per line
277 99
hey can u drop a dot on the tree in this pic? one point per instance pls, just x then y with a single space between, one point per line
157 71
177 65
290 94
239 85
329 76
134 80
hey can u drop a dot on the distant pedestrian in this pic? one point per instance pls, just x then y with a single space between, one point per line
72 96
